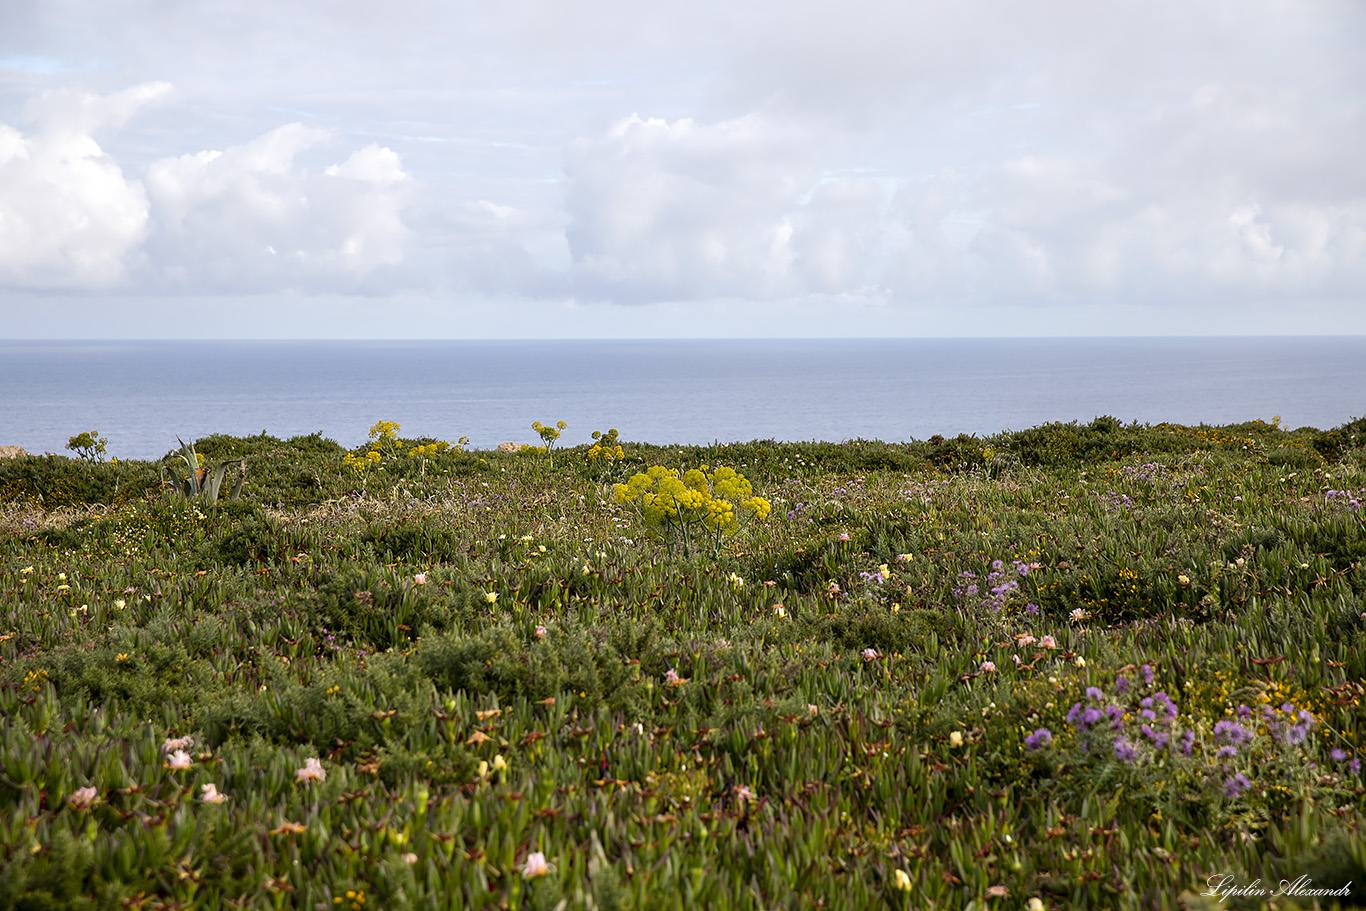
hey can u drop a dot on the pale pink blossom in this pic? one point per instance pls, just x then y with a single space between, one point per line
844 536
540 632
179 760
1048 642
83 798
743 793
869 654
171 744
420 579
312 771
535 865
988 666
209 793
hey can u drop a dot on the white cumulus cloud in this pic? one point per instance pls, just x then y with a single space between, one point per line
69 216
253 217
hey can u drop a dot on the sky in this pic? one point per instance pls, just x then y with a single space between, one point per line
548 168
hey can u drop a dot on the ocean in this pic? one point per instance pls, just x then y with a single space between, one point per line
141 395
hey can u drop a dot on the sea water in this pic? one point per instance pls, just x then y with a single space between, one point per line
142 395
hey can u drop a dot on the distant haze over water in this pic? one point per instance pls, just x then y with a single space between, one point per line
142 394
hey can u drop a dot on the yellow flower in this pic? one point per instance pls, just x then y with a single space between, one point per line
491 597
956 739
901 881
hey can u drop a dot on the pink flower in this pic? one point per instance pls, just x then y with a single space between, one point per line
420 579
743 793
312 771
988 666
1048 642
179 760
671 678
869 654
535 865
540 632
209 794
844 536
171 744
83 798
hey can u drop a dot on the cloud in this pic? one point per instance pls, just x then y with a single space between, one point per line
68 215
254 218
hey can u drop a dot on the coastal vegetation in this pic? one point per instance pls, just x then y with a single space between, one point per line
1080 665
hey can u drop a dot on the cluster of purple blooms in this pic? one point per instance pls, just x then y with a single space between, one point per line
1001 584
1344 498
1101 727
1144 472
1114 502
924 492
1096 720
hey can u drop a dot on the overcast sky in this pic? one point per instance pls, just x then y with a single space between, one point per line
439 168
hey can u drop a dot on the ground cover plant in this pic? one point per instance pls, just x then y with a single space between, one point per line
1081 665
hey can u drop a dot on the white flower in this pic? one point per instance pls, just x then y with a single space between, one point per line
736 581
779 610
956 739
179 760
312 771
1079 615
120 604
988 666
209 794
1035 904
869 654
535 865
420 579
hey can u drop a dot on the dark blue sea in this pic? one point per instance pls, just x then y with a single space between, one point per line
141 395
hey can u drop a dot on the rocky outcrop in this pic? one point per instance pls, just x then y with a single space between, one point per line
510 447
12 452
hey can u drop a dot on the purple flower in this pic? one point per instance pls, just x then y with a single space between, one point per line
1147 673
1124 750
1231 732
1031 608
1338 755
1121 685
1235 786
1228 752
1091 715
1187 742
1244 712
1094 692
1039 739
1354 766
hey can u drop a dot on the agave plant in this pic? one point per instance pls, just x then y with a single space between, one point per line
206 483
